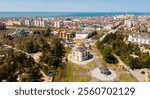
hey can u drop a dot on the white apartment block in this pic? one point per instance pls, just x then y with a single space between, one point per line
40 23
140 38
27 22
58 24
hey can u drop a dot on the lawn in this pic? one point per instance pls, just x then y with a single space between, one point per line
102 61
82 78
77 73
68 51
91 64
127 78
70 72
79 68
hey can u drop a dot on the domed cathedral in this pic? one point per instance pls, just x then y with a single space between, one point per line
79 52
79 42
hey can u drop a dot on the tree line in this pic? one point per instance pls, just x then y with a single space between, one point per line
15 63
115 43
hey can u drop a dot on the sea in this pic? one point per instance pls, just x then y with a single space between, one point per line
67 14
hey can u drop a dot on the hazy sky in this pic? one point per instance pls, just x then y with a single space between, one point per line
75 5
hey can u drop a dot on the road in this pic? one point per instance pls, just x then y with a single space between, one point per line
111 31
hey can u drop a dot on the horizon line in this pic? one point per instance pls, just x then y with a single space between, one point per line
81 11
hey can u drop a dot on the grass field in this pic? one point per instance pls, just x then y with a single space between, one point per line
79 69
77 73
82 78
70 72
68 51
91 64
127 78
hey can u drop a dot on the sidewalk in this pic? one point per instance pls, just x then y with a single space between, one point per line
135 73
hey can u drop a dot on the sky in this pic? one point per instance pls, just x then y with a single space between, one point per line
74 5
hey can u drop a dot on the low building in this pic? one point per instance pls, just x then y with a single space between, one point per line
93 27
65 35
83 34
14 22
143 38
55 32
19 32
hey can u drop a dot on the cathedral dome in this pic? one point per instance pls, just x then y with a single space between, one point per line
80 43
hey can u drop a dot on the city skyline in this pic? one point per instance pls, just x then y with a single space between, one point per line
74 6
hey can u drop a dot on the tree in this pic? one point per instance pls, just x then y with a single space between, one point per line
108 56
135 63
111 59
53 56
47 32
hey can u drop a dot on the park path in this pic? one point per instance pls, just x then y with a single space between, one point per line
96 58
135 73
34 56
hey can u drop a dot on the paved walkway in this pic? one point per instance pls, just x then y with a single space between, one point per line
111 31
135 73
45 77
97 74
